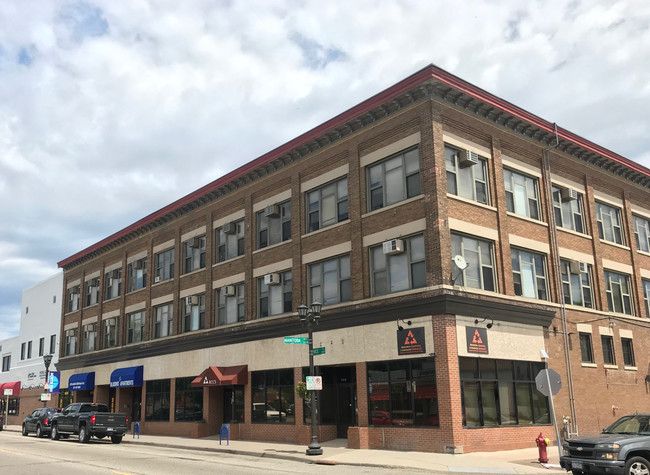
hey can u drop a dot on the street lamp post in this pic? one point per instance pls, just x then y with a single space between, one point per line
47 359
310 319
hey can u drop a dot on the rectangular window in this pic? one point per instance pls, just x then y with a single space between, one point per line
628 352
230 241
193 313
41 347
89 337
609 223
501 393
522 194
401 269
480 272
619 297
194 254
274 225
608 349
110 332
329 281
393 180
52 344
233 404
275 297
568 209
92 292
6 363
529 274
576 284
135 327
273 396
23 347
70 342
137 271
327 205
403 393
586 349
113 283
188 406
646 296
157 401
642 233
466 174
164 262
230 304
72 299
29 350
163 324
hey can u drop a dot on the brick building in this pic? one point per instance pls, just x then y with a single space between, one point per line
450 237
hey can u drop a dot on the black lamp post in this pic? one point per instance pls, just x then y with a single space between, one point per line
47 359
310 319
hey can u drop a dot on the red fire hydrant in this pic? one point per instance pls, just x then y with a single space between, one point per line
542 443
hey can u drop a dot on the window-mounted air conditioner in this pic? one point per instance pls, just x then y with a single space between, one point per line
192 300
577 267
94 282
568 194
116 274
195 242
468 159
394 246
272 211
229 228
138 264
110 281
109 323
228 290
156 279
272 279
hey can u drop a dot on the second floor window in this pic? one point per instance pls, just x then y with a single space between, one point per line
642 233
6 363
619 297
394 179
230 241
522 194
137 274
274 225
576 283
608 349
329 281
398 269
70 342
586 350
327 205
110 332
466 174
275 294
89 337
628 352
479 257
92 292
113 284
164 262
193 313
529 274
41 346
230 304
72 299
567 206
609 223
194 254
163 324
135 327
646 296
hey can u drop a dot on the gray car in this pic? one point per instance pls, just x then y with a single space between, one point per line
39 422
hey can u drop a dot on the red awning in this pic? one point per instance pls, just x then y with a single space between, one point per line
15 387
222 376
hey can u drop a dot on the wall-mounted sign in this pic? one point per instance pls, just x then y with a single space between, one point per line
477 340
410 341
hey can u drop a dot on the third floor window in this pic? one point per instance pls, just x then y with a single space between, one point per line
646 296
609 223
466 174
394 179
110 332
113 284
72 299
194 254
137 271
193 313
522 194
135 327
274 224
329 281
230 240
480 272
230 304
619 295
398 267
163 324
567 205
576 283
642 233
164 262
529 274
275 293
89 341
327 205
92 292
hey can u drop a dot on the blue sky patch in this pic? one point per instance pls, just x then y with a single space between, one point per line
316 56
83 20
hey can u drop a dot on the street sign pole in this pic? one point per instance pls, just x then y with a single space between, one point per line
552 406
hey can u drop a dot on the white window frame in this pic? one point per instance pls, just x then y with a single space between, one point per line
111 332
641 233
163 320
477 258
230 246
534 262
610 228
113 285
316 200
89 341
517 183
278 229
164 264
646 296
458 177
135 323
568 214
137 277
409 178
385 268
73 296
341 272
230 309
275 295
70 342
194 257
193 315
616 283
571 282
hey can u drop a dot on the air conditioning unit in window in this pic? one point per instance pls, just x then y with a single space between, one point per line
94 282
468 159
394 246
577 267
272 279
110 281
116 274
272 211
229 291
109 323
138 264
156 279
191 300
568 194
195 242
229 228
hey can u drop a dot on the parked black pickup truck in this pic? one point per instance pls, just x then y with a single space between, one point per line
622 448
89 419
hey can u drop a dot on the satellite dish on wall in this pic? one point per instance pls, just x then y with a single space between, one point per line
460 262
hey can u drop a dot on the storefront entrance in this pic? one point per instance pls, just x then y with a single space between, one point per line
337 400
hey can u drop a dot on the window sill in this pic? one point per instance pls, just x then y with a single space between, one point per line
589 365
526 218
610 366
91 305
112 298
327 228
163 281
393 206
631 368
288 241
190 273
615 244
136 291
575 233
228 260
471 202
643 253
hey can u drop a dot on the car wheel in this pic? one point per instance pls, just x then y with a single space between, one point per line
25 431
116 439
55 432
39 433
84 435
637 466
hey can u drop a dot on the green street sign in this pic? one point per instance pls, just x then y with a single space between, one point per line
296 340
318 351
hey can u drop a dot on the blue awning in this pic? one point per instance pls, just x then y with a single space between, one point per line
81 382
125 377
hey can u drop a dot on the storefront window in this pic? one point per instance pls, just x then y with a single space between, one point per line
273 396
189 401
157 404
501 392
65 398
403 393
14 406
233 404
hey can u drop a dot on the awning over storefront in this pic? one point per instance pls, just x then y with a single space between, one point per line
126 377
82 382
222 376
15 388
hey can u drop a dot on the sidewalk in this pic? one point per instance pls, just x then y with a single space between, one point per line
523 461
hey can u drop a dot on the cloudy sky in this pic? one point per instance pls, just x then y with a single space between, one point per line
110 110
